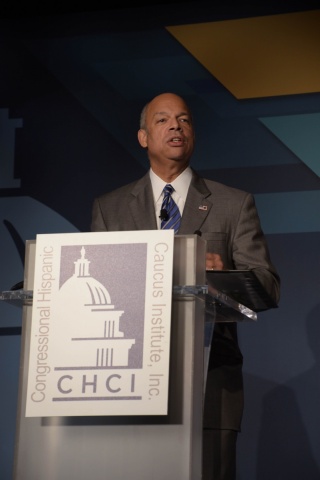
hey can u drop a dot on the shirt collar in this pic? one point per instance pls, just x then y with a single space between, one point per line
180 184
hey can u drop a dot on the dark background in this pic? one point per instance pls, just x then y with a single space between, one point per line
72 84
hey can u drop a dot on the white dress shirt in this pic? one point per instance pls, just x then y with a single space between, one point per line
181 186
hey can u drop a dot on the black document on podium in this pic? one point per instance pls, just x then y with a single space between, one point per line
243 286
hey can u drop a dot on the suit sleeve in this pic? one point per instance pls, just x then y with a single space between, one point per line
250 249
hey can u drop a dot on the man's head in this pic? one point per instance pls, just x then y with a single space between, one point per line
166 131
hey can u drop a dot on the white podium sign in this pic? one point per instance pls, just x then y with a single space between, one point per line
100 333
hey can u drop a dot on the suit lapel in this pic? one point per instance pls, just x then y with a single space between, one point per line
196 209
141 206
197 206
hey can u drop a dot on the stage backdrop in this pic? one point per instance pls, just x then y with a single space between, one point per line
71 90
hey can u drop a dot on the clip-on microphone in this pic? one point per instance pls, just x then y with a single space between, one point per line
163 214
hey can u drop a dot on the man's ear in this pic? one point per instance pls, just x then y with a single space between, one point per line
142 137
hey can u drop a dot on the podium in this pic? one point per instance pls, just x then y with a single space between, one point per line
140 447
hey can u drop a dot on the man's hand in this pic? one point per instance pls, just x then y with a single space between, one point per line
213 261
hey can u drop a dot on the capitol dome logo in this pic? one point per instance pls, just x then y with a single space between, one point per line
100 334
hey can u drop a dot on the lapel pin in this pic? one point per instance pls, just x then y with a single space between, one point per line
203 207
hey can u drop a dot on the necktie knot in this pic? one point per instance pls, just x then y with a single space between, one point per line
167 192
168 189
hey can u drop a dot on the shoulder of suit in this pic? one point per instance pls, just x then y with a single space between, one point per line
124 189
207 186
221 188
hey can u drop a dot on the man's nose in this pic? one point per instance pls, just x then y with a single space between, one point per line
176 126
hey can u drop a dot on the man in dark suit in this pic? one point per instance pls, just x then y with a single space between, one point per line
228 220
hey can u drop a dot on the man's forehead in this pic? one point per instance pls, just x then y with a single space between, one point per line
170 112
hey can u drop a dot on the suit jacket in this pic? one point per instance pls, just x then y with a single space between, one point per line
230 224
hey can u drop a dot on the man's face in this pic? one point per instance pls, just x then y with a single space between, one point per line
169 134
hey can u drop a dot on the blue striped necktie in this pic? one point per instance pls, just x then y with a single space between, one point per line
170 214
